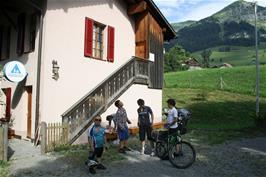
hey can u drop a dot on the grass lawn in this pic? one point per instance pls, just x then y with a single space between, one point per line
217 115
236 80
3 168
78 154
237 56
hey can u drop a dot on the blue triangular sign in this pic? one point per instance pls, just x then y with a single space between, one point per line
16 70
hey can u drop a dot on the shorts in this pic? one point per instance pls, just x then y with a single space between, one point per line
123 134
98 152
143 131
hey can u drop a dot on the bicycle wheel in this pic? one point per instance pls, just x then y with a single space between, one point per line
182 155
161 150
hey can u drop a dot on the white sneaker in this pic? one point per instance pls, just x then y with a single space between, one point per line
152 154
142 151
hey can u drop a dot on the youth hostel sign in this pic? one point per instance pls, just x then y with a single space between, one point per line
15 71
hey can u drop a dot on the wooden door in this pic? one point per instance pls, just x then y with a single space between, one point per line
29 110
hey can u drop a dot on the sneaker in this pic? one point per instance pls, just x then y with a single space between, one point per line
127 149
92 170
152 154
101 167
142 151
122 151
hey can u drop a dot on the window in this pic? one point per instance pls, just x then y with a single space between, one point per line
97 50
95 41
4 42
26 33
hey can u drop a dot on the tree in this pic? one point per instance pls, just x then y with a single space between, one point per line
206 54
174 58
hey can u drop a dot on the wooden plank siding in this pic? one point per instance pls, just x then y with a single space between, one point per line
156 47
149 39
142 33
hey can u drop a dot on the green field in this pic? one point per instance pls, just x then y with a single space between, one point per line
217 116
236 80
237 56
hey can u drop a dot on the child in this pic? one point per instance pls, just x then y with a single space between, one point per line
97 140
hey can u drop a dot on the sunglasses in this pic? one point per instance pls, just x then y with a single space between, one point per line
98 120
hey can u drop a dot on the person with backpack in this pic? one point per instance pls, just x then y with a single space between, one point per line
145 122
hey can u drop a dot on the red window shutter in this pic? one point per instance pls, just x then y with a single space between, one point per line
111 44
8 103
88 37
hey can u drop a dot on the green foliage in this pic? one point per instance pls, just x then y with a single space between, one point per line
233 25
235 55
236 80
174 58
206 54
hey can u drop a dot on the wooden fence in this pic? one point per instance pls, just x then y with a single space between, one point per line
53 135
3 140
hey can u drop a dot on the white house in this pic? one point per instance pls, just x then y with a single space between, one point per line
80 56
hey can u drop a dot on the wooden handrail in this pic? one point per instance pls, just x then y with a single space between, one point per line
80 115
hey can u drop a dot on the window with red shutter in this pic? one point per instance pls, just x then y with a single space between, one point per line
110 45
88 37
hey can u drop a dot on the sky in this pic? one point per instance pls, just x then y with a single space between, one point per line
182 10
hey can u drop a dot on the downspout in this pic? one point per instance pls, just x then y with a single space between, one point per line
37 110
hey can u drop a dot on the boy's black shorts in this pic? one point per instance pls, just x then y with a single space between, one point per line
98 152
143 130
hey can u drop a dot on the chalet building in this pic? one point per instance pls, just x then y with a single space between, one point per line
80 56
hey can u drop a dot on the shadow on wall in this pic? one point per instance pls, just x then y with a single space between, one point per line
65 5
18 93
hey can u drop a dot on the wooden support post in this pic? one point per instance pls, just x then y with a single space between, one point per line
3 141
43 137
137 8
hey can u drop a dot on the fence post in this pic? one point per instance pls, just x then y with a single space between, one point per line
43 137
3 141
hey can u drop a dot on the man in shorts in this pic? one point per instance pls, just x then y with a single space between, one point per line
121 126
97 140
145 121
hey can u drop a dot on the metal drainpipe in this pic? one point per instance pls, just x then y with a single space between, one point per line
37 111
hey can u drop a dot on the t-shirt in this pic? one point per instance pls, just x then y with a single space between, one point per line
121 119
97 134
172 114
144 116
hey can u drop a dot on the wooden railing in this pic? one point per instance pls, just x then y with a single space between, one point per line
79 116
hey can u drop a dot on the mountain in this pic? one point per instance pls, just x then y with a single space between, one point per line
233 25
180 25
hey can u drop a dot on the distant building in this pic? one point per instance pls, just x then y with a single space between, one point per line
192 64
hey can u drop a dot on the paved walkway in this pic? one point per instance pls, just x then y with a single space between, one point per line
245 157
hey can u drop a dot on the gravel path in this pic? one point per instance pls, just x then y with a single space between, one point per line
246 157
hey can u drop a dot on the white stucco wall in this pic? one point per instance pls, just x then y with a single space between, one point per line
19 96
152 98
64 29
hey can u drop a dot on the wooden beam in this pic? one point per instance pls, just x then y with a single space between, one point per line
137 8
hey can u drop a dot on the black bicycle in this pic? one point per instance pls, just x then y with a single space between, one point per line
180 153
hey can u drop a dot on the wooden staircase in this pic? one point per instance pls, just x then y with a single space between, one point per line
80 115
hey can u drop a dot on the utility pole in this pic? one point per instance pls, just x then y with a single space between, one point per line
257 64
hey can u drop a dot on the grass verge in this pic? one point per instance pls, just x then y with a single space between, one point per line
4 168
217 116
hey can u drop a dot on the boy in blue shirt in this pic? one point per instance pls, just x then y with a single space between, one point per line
97 140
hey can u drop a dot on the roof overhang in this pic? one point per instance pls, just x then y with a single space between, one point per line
169 32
